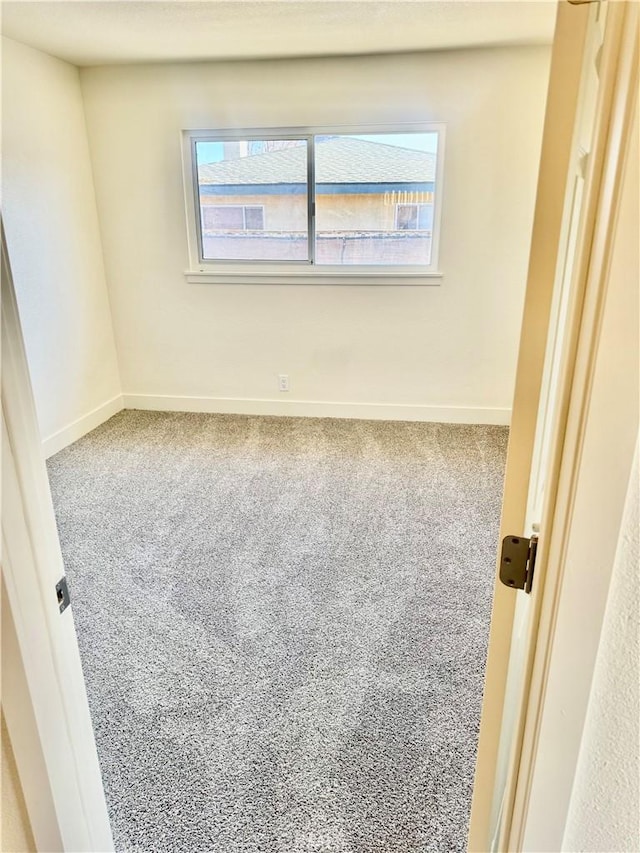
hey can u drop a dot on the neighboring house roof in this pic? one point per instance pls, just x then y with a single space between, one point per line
342 160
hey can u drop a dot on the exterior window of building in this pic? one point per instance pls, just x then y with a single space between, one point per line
326 199
231 217
414 217
254 218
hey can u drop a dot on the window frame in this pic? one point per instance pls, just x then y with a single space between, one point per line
216 271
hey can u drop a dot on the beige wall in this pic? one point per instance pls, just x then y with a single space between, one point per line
51 225
366 211
15 830
281 212
605 803
452 345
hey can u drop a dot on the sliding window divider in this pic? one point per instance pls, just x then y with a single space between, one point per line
311 199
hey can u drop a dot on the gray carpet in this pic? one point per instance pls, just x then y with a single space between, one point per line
283 626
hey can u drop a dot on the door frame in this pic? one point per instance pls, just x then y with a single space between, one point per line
618 72
44 699
558 645
555 163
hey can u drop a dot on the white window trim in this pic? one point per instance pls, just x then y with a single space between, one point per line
304 272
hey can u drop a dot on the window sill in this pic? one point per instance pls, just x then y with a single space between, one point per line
315 275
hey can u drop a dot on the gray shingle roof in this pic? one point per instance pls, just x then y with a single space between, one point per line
342 160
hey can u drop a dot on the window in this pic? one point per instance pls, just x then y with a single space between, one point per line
414 217
231 217
330 200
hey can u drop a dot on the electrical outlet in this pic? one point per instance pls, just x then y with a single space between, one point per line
283 382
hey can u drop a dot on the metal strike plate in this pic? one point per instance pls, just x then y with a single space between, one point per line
62 593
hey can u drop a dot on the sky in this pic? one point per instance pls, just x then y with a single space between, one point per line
212 152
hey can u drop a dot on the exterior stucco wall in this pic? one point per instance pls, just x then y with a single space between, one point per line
346 211
281 212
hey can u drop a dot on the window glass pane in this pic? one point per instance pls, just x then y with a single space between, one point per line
253 199
254 218
407 217
374 198
425 216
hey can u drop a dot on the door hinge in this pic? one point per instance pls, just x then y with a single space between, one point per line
518 561
62 594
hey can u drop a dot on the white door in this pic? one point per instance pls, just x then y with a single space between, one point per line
43 693
576 140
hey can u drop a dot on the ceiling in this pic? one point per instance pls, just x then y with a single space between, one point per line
124 31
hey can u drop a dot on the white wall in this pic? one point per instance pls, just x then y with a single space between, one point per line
415 349
605 804
51 226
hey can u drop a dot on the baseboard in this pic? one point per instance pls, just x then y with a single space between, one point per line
319 409
75 430
292 408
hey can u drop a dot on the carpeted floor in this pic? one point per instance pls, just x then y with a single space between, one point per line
283 626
